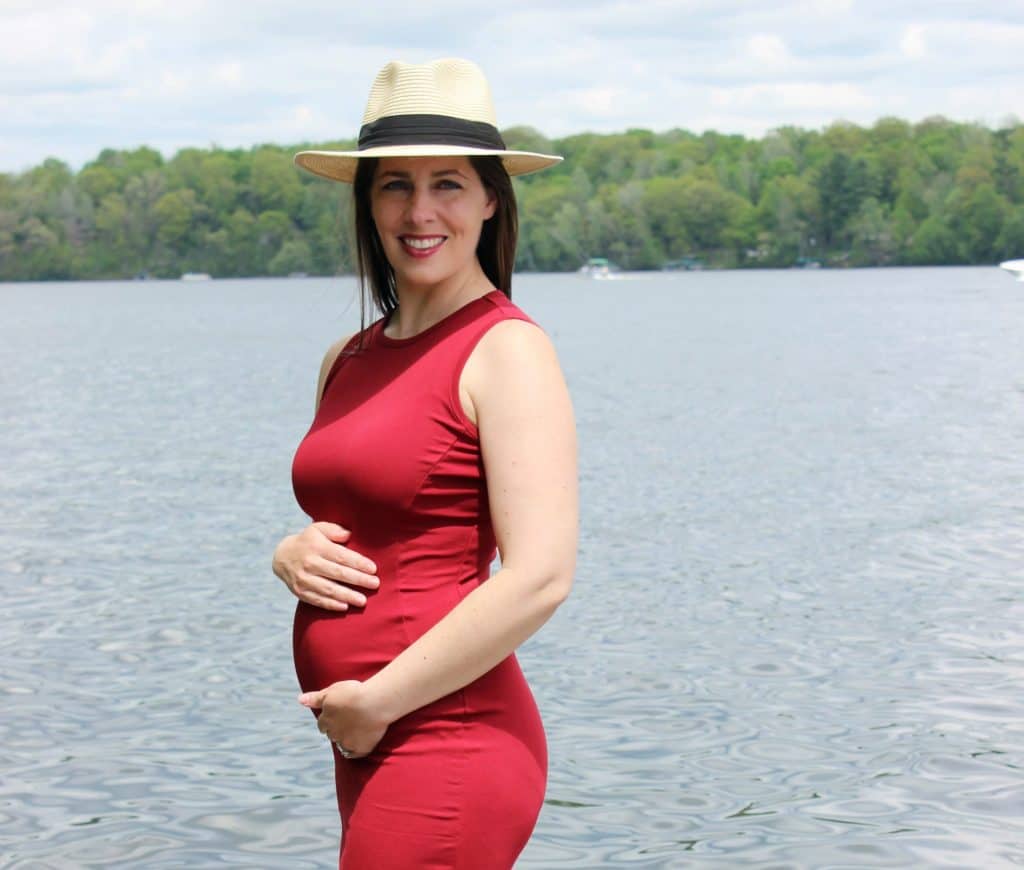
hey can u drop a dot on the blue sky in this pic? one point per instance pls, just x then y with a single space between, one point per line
75 78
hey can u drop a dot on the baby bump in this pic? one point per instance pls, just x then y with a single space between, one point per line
329 646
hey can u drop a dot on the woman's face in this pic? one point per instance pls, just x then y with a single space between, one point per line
429 212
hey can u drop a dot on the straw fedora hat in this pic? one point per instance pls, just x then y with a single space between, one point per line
437 109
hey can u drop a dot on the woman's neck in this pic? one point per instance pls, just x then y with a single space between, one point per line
421 307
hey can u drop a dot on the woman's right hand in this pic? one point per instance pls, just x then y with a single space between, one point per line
320 571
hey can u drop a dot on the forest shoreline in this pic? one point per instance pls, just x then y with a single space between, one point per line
937 192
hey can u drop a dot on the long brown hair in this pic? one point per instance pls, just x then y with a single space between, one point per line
496 249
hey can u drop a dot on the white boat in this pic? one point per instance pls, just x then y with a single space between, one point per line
1015 268
195 276
598 267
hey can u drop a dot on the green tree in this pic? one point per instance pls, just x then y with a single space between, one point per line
274 183
243 244
527 139
935 244
664 202
97 182
1010 164
785 219
8 247
978 217
294 255
1009 244
627 234
272 229
141 194
176 215
842 186
872 240
933 192
40 255
50 177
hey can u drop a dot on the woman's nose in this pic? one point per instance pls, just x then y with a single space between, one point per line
421 207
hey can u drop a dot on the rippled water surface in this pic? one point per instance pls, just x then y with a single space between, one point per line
795 639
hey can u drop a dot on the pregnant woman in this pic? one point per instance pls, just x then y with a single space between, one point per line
443 433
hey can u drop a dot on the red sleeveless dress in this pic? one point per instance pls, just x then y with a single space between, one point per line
391 456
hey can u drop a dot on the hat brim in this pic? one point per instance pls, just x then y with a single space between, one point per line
341 165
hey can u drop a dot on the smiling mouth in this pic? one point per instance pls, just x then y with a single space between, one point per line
422 245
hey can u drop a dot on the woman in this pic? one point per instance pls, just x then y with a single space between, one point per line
442 432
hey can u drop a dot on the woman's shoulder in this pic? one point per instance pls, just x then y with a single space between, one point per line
511 339
329 361
513 347
514 366
506 309
510 334
346 345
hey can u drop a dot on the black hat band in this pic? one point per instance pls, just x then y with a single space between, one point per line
429 130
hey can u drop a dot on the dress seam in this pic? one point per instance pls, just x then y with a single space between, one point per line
433 467
400 562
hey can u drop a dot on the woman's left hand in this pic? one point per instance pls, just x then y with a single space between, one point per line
347 717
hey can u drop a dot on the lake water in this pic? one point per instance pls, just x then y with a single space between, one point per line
795 639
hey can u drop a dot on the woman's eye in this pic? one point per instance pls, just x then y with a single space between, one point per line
396 184
448 184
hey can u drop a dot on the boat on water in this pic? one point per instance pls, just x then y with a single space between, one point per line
195 276
1015 268
806 263
683 264
598 267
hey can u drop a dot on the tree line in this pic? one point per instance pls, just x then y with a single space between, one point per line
932 193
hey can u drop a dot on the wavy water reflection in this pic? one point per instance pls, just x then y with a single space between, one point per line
795 639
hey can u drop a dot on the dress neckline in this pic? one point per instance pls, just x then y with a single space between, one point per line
387 341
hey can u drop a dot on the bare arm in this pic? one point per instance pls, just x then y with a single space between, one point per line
314 564
333 352
515 390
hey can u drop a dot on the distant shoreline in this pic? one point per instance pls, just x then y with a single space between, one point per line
934 193
625 275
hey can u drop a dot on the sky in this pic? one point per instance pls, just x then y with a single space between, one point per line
79 77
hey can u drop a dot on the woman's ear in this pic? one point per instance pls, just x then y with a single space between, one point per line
492 204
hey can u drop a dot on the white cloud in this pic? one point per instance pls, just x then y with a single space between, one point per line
913 43
769 50
75 78
601 101
228 73
828 7
834 99
29 37
174 84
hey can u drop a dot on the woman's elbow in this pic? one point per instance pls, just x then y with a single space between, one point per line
556 585
544 583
